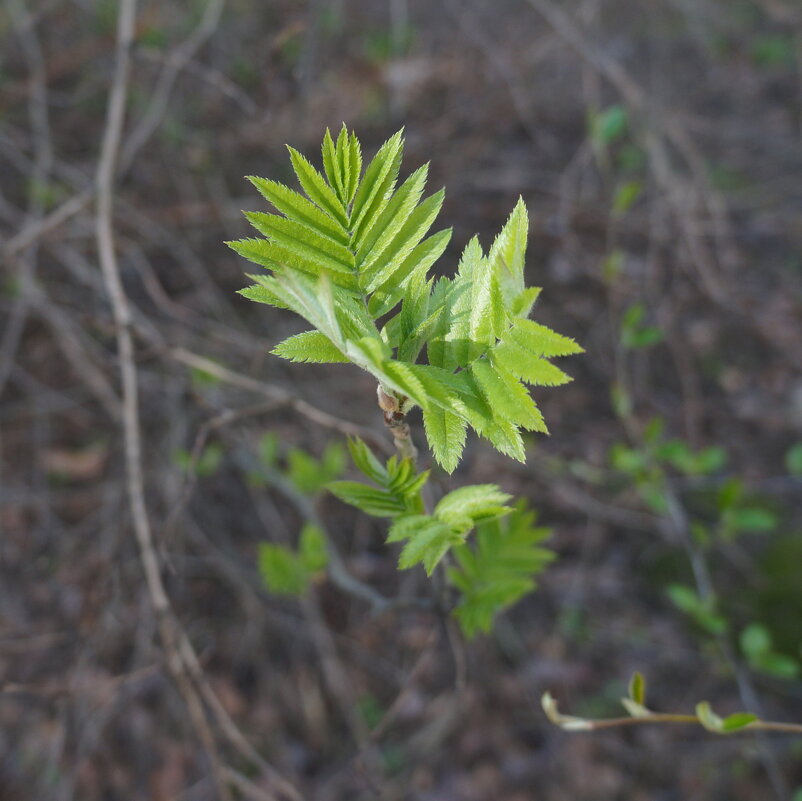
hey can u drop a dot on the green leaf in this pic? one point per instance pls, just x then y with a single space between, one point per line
376 186
506 396
310 346
333 168
206 464
392 218
634 334
730 494
297 207
510 356
445 433
268 449
375 502
428 545
281 571
737 721
539 340
304 471
478 502
407 526
398 284
506 259
403 480
262 294
751 518
709 460
776 664
634 709
625 196
712 722
702 612
286 260
316 188
313 552
609 125
637 688
354 165
366 462
793 460
499 570
389 262
304 241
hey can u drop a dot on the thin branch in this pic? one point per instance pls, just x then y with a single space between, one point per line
179 652
277 394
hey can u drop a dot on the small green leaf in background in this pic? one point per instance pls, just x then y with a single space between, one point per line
730 494
370 710
609 125
736 721
701 612
621 400
613 265
770 50
626 459
798 794
313 554
366 462
752 518
634 334
636 697
499 569
709 719
755 640
286 572
626 194
281 570
201 379
268 449
679 455
758 648
709 460
207 464
637 688
630 158
793 460
740 515
653 431
310 475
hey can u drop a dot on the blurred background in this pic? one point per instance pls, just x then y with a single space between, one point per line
657 146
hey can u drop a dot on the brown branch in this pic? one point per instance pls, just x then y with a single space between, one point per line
275 393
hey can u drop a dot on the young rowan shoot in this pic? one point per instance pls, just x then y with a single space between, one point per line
353 255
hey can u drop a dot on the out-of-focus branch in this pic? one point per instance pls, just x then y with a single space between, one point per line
181 657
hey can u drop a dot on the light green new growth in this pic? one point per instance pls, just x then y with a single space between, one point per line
286 572
638 714
355 249
499 570
490 576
